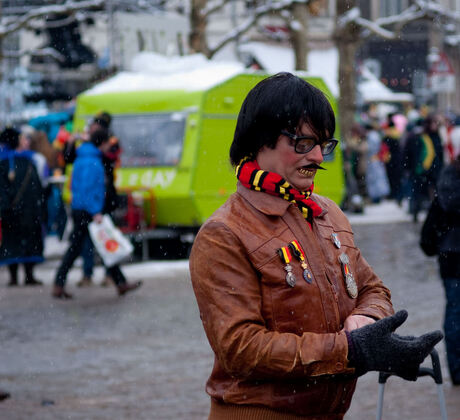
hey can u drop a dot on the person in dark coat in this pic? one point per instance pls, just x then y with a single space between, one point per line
88 199
415 166
441 236
391 139
423 159
21 209
431 131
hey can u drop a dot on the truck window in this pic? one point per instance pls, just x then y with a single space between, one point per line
150 139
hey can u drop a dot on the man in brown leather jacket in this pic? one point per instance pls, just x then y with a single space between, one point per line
290 307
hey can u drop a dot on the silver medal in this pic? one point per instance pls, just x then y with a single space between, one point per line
352 288
290 278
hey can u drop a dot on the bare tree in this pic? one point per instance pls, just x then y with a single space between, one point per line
347 39
295 12
198 23
298 28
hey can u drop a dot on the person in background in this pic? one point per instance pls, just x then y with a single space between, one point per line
358 148
434 152
416 163
376 177
21 208
29 141
441 236
292 311
110 160
88 192
391 141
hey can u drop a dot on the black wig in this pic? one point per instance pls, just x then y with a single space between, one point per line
280 102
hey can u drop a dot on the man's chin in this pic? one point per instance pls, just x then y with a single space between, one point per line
303 185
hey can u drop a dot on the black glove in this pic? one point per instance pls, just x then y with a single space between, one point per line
377 347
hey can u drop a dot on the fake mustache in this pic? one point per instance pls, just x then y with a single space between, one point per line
314 166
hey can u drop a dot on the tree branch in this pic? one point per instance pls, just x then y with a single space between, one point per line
258 12
419 10
213 6
68 7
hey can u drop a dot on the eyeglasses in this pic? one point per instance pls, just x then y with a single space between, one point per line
305 144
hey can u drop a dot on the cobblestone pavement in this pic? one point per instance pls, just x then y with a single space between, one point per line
145 356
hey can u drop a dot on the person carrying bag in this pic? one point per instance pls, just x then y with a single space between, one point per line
88 196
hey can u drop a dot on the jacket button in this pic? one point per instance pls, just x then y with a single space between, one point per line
339 366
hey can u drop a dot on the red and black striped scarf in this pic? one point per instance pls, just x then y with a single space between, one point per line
251 176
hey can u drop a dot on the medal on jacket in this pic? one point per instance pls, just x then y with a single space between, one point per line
285 256
336 240
348 277
300 255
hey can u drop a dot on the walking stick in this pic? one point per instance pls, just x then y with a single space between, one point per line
434 372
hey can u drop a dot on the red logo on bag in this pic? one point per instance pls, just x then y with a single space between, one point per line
111 245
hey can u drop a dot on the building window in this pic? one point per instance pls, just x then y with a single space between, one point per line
392 7
156 141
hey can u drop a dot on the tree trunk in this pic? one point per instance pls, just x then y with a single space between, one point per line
347 40
198 24
299 35
347 87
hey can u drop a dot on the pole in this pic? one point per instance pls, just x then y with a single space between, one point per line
380 401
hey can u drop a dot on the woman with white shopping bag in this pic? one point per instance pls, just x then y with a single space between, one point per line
88 195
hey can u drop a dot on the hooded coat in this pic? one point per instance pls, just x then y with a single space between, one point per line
441 230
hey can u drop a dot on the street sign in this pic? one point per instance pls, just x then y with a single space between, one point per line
442 75
442 83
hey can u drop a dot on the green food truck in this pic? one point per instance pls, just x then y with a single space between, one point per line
175 132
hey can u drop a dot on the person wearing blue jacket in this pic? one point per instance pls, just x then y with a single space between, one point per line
88 197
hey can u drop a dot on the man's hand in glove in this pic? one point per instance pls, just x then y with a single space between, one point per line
376 347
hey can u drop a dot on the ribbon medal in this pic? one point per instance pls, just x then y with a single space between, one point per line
300 255
350 281
286 257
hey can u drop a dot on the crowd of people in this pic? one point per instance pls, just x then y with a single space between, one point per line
28 191
399 158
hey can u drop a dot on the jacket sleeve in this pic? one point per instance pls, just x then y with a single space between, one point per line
432 229
228 293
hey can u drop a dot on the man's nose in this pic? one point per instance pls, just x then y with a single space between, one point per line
315 155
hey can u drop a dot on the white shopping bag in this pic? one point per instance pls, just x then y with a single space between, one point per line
109 242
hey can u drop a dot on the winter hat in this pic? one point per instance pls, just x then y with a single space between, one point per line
10 138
